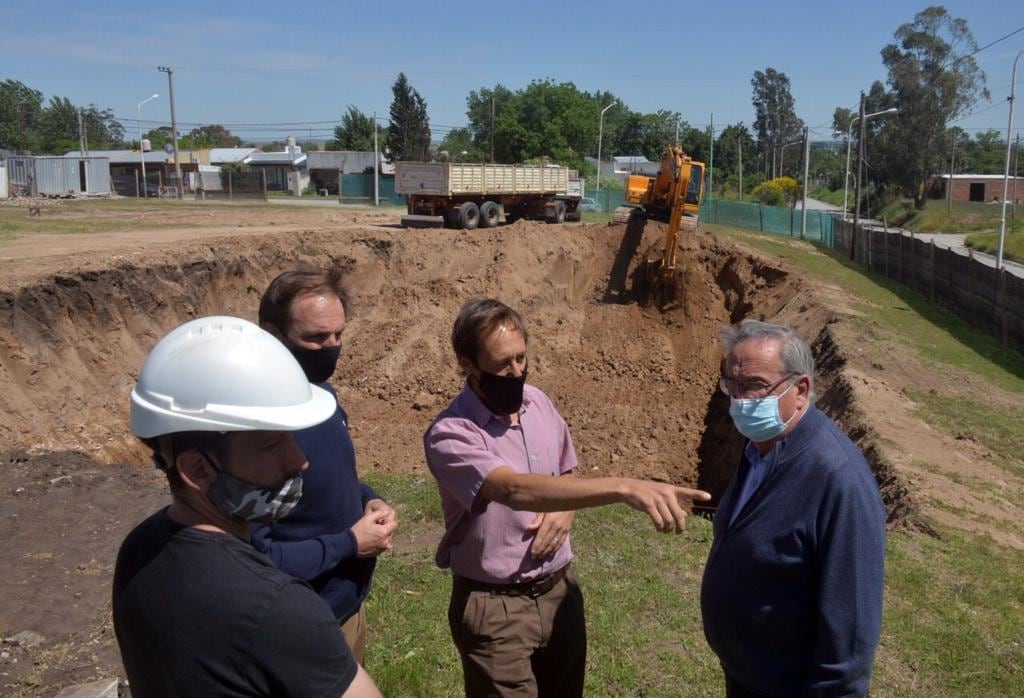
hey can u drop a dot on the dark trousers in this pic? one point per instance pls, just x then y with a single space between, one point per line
518 645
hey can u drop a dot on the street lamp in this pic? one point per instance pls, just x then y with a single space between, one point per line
142 153
1006 173
849 135
782 156
600 135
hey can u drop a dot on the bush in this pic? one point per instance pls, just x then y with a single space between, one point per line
781 191
778 191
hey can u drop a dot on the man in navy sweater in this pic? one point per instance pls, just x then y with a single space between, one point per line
340 526
792 591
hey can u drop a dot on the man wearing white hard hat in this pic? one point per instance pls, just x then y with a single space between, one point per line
197 610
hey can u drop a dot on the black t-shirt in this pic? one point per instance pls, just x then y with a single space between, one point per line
205 614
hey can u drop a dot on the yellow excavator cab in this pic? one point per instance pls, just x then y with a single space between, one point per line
672 196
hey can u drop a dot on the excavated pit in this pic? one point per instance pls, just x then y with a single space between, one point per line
637 386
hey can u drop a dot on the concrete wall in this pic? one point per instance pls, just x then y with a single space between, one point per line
3 182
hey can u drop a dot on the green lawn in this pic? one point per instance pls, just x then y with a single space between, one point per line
962 218
953 619
1013 242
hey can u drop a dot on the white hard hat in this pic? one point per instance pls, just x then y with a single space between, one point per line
224 374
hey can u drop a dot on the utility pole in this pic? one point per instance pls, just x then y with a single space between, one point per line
949 184
739 152
376 161
860 167
83 143
711 165
807 164
174 125
492 129
1016 158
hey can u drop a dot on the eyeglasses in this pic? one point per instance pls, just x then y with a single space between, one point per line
752 389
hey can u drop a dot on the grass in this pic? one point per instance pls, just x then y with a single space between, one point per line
1013 243
960 218
999 428
953 610
82 217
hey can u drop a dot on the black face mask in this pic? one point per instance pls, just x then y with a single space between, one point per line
317 364
504 393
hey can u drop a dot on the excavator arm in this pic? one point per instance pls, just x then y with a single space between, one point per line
672 196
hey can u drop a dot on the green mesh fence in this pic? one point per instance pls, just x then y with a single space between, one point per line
768 219
607 200
358 189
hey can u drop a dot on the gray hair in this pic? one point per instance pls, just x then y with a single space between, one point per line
794 354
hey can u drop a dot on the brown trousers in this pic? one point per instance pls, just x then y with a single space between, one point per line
520 646
354 629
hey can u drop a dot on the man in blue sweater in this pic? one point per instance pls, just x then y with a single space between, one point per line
792 591
340 526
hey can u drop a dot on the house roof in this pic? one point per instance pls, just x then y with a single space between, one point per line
129 157
976 176
630 159
218 155
284 158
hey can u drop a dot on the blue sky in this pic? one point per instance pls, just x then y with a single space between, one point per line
270 63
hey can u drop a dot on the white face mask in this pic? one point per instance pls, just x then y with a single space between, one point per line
759 419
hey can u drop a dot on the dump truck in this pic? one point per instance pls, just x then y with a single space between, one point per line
471 195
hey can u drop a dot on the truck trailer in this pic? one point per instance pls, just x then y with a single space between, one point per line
471 195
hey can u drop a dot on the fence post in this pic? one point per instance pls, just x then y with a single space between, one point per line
263 183
791 209
340 174
970 282
760 216
871 242
931 264
159 183
231 192
885 237
913 261
901 257
1002 304
949 276
138 192
716 210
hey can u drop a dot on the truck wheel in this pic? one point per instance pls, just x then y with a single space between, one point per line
558 213
469 215
490 214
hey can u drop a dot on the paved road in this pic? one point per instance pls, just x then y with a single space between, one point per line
816 205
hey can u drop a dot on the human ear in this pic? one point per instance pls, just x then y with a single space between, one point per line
465 365
195 471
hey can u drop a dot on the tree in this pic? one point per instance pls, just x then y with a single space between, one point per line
775 122
733 139
58 126
933 79
21 110
210 136
458 146
355 132
409 130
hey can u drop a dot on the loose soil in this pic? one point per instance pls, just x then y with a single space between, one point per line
78 314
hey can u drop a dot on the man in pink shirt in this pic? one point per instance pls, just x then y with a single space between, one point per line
500 453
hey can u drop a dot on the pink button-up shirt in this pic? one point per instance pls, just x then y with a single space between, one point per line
483 540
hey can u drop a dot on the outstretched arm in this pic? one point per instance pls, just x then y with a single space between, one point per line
667 505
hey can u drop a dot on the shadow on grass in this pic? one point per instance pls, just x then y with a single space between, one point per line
970 338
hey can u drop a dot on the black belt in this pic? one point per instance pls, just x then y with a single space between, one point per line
532 588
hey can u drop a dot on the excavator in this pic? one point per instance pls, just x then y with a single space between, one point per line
672 196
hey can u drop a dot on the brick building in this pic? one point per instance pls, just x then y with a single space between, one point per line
977 188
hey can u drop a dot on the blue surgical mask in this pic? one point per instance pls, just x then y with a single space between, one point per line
758 419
